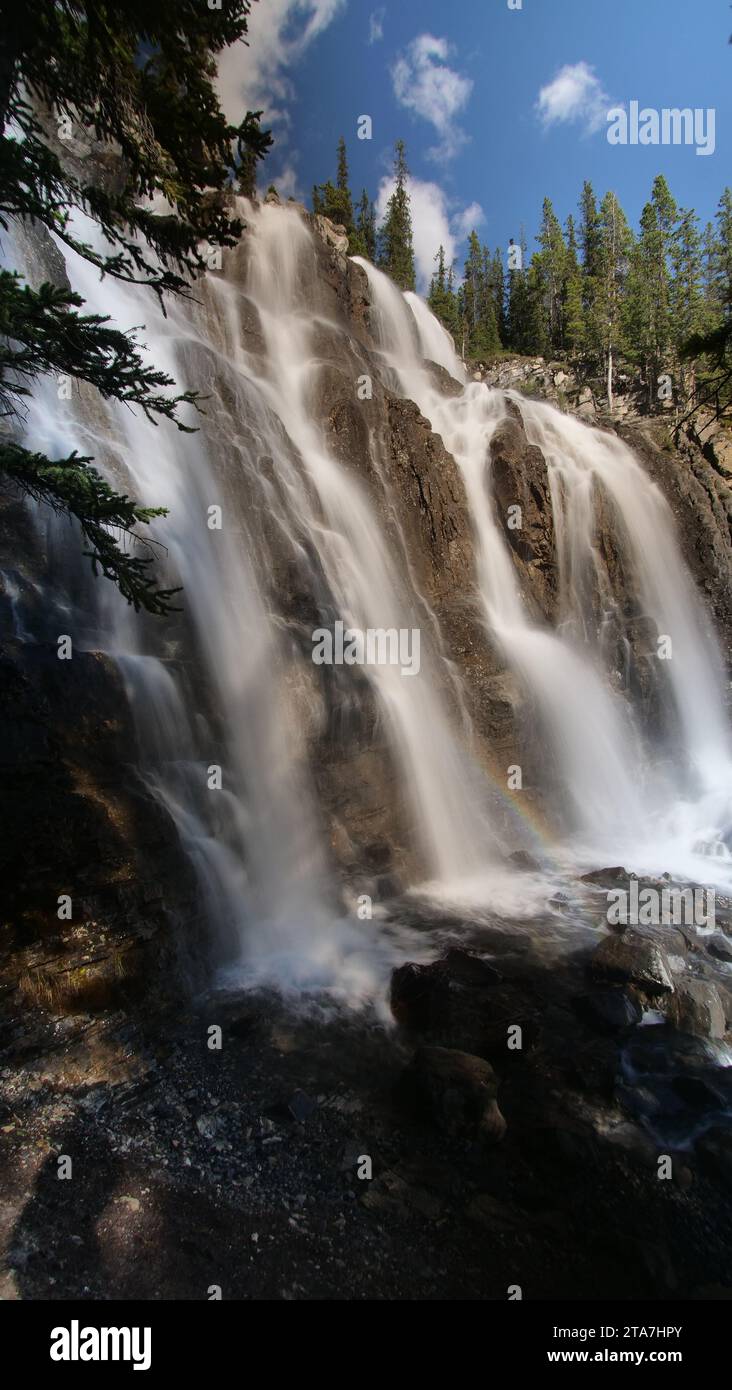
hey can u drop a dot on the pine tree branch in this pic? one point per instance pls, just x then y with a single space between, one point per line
72 486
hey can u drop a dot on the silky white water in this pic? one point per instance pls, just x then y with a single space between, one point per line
442 787
656 805
230 766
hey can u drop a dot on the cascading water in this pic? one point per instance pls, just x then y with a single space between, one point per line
230 683
653 808
447 808
239 703
253 841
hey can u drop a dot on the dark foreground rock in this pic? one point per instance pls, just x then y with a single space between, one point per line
457 1092
294 1163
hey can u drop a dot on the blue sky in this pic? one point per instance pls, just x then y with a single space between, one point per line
498 107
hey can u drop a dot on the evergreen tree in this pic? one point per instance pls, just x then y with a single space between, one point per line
646 311
589 240
688 310
612 270
366 227
453 322
572 305
342 183
442 299
548 273
523 327
141 81
477 332
396 252
247 173
712 348
722 257
334 201
498 287
708 270
489 315
589 231
437 297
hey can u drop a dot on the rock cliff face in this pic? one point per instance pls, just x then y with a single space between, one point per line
76 816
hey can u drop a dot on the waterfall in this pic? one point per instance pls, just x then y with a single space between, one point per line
226 684
627 798
229 683
441 785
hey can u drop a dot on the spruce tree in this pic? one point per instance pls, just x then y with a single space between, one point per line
488 314
342 183
441 298
689 314
572 306
365 228
548 268
612 270
396 252
523 327
472 298
712 348
646 311
334 201
498 289
453 320
140 81
589 240
722 256
437 296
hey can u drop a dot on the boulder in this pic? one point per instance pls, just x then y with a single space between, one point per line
456 1092
633 959
720 947
610 1010
617 876
697 1008
714 1151
420 994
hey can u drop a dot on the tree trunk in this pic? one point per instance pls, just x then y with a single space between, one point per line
610 379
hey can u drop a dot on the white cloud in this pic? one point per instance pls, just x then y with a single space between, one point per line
464 222
424 83
575 94
286 183
376 25
433 223
254 76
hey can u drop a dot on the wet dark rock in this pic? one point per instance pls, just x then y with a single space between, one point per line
519 477
697 1008
617 877
466 968
420 994
611 1009
698 1092
456 1092
635 959
523 860
714 1151
720 947
417 996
